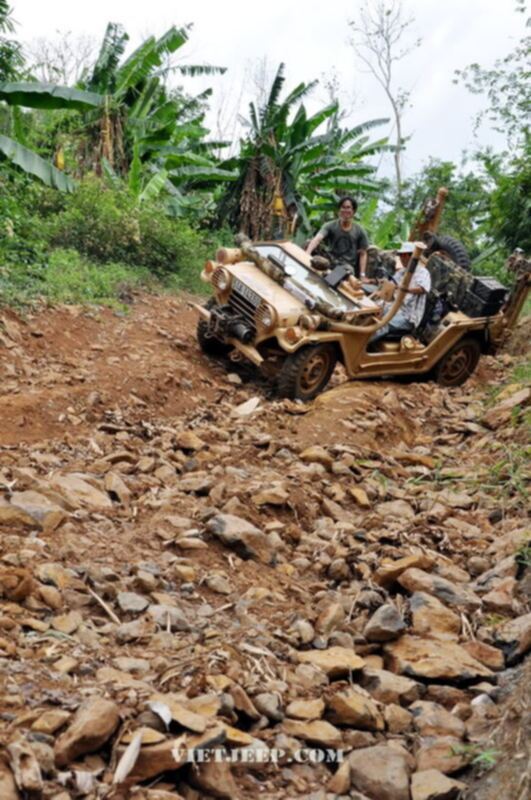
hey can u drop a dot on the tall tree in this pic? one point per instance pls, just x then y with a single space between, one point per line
467 189
33 95
10 50
506 86
380 35
284 163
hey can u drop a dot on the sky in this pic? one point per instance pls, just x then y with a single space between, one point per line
312 38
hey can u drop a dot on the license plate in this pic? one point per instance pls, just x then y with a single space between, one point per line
249 295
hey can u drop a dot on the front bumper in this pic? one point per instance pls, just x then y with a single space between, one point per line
247 350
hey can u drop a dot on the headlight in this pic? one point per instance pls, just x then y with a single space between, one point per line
221 279
266 316
310 322
267 319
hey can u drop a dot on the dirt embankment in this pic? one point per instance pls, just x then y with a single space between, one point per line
186 562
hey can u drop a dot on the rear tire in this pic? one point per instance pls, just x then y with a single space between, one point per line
452 247
458 364
305 373
209 344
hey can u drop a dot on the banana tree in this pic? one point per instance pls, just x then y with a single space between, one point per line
286 167
31 95
137 111
42 96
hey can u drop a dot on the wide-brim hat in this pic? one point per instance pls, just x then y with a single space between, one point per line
405 247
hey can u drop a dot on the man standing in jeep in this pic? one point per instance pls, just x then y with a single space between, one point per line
346 239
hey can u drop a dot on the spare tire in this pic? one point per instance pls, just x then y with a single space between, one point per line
450 246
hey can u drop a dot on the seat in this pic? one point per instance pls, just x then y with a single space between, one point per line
397 334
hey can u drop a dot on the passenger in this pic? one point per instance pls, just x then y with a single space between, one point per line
411 312
346 240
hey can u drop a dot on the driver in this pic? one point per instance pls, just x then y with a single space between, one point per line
346 240
410 313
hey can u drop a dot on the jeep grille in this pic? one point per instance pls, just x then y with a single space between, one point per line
242 306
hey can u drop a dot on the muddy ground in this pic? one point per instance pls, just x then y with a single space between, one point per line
187 562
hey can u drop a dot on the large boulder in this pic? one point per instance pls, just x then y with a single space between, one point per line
355 709
430 617
336 662
242 536
94 723
433 659
78 491
32 509
380 772
385 624
452 594
431 784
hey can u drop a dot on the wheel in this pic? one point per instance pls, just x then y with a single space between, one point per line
458 363
209 344
305 373
450 246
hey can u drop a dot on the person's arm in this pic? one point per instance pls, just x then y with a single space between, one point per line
363 243
421 284
415 290
315 242
363 263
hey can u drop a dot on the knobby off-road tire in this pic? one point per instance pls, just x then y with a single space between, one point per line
458 363
209 344
305 373
453 248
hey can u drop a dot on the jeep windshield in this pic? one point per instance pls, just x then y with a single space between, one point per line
308 282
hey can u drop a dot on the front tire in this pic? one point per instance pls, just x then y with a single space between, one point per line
458 364
304 374
210 345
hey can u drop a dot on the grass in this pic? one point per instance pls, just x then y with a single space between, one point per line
484 758
68 277
522 373
523 554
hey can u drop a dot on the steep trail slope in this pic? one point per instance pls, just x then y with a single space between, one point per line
186 562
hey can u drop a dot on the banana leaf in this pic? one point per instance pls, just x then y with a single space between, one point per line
48 96
33 164
154 186
202 174
150 54
111 50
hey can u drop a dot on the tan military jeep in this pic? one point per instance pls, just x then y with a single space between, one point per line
274 305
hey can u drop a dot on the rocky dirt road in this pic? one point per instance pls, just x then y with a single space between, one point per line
311 601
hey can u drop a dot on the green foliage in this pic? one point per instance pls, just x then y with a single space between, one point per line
48 96
509 476
386 229
10 51
107 224
99 227
466 205
522 373
507 88
284 158
510 202
33 164
484 758
70 278
141 119
523 555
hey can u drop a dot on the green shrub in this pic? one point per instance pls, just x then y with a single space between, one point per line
70 278
107 224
